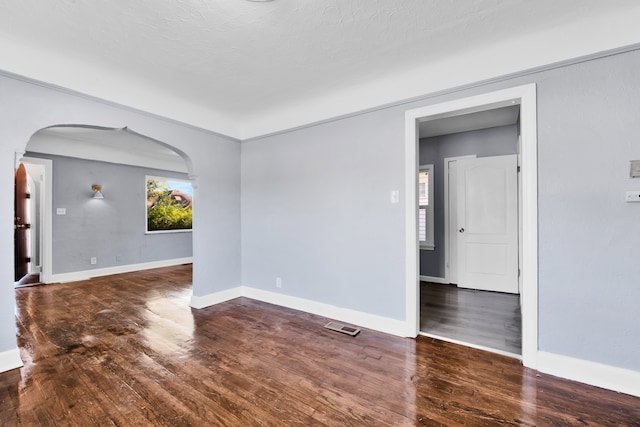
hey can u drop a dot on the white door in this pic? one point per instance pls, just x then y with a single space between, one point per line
488 223
451 217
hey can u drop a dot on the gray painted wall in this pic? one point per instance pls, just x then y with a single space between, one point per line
213 161
316 210
494 141
111 229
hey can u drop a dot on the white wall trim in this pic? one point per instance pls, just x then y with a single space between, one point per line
10 359
433 279
526 97
215 298
98 272
592 373
472 345
46 217
358 318
609 377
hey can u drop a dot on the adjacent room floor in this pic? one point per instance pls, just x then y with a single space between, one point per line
127 350
482 318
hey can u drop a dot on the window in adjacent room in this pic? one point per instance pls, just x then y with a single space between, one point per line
169 204
425 207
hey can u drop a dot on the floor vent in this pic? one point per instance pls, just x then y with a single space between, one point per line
338 327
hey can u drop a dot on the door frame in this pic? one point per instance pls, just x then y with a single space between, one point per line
45 226
525 96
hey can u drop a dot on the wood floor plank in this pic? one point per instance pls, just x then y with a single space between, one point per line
126 350
487 319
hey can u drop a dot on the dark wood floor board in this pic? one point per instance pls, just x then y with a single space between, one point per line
487 319
126 350
279 362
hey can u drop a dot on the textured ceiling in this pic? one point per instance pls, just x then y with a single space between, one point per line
227 62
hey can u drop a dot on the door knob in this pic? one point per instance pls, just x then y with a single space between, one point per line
461 230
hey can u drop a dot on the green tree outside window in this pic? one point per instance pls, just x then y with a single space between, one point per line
167 208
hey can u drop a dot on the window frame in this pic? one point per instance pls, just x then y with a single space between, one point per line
429 242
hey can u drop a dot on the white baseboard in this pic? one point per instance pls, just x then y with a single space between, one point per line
358 318
98 272
433 279
472 345
596 374
215 298
9 360
604 376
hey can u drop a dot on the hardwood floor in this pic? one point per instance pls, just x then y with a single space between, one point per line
487 319
126 350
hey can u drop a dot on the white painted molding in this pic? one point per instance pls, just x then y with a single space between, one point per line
46 216
10 359
98 272
358 318
432 279
592 373
366 320
215 298
609 377
525 96
472 345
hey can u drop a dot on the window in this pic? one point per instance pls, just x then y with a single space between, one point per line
425 207
169 205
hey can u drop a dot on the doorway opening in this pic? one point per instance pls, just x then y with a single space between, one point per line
33 263
109 232
522 252
469 287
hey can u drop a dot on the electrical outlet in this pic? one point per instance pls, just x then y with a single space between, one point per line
278 282
632 196
94 260
118 258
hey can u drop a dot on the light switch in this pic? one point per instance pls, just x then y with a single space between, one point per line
61 211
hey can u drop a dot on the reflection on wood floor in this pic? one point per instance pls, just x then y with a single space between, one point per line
487 319
127 350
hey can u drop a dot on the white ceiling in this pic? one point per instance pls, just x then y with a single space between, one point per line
494 117
248 68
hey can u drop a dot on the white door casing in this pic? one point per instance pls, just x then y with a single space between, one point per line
487 215
525 96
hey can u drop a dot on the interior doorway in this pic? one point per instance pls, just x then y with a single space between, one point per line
524 99
38 253
469 278
121 148
22 223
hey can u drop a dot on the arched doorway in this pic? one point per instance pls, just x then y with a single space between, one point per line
80 237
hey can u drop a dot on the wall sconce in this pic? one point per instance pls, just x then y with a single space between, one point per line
97 191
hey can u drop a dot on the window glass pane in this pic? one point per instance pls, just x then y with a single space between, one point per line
425 207
422 224
423 181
